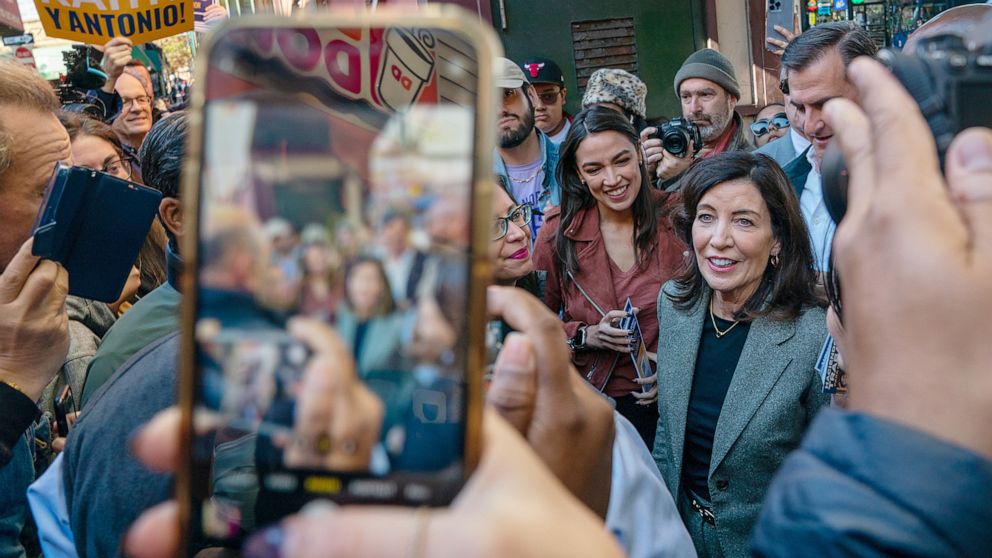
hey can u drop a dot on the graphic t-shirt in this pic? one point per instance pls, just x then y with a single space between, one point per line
526 181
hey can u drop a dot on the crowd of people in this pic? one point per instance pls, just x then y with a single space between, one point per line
663 327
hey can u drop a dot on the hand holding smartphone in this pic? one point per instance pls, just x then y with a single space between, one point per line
306 373
94 225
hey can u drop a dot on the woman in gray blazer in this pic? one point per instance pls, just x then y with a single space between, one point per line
740 331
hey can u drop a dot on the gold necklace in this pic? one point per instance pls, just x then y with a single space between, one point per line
719 333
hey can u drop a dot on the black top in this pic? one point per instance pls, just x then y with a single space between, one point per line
715 365
18 414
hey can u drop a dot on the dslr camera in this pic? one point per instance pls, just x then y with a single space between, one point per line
948 81
676 134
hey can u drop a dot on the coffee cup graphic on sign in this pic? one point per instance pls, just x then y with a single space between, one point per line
406 66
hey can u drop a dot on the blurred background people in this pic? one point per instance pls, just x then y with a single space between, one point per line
741 329
367 318
320 284
403 262
611 240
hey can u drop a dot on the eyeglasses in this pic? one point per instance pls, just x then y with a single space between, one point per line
120 167
520 216
763 126
142 101
549 97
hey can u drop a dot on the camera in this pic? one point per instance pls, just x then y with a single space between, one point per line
676 134
947 81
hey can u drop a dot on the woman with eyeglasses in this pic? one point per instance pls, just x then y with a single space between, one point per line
610 240
96 146
770 124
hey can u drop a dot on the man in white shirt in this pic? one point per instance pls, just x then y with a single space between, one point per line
815 67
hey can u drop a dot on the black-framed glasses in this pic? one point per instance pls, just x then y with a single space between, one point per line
763 126
121 167
519 216
141 101
549 97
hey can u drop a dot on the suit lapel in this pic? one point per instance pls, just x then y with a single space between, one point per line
675 376
760 366
797 170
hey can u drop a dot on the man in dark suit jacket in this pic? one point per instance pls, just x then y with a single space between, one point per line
814 65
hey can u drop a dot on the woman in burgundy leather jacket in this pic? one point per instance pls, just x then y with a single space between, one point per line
611 239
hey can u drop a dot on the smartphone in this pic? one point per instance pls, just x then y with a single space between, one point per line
64 404
93 224
339 177
781 13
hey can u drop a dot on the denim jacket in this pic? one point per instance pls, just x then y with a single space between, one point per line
550 191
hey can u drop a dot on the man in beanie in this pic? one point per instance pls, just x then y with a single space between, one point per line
526 158
549 97
707 85
619 90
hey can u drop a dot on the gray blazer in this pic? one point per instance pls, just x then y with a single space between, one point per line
773 396
781 150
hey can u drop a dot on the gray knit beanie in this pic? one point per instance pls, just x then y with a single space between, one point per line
709 64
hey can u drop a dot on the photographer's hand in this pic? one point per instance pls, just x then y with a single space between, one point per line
486 520
338 419
915 261
538 391
651 148
116 55
671 166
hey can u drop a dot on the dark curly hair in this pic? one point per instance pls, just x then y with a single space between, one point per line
787 288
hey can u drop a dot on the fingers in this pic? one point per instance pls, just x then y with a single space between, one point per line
969 178
156 445
646 398
318 337
47 287
531 317
16 274
894 114
787 33
653 378
155 534
853 135
513 391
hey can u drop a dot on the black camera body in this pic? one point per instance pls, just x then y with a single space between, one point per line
676 134
947 81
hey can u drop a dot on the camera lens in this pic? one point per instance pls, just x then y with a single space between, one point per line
675 143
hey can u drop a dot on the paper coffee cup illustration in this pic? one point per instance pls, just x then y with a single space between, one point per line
405 67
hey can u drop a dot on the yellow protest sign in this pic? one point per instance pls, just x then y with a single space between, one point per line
97 21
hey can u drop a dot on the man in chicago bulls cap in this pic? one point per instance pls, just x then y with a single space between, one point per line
549 107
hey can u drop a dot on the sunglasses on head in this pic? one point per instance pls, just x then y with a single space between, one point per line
763 126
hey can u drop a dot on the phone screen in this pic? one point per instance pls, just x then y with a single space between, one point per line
335 188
